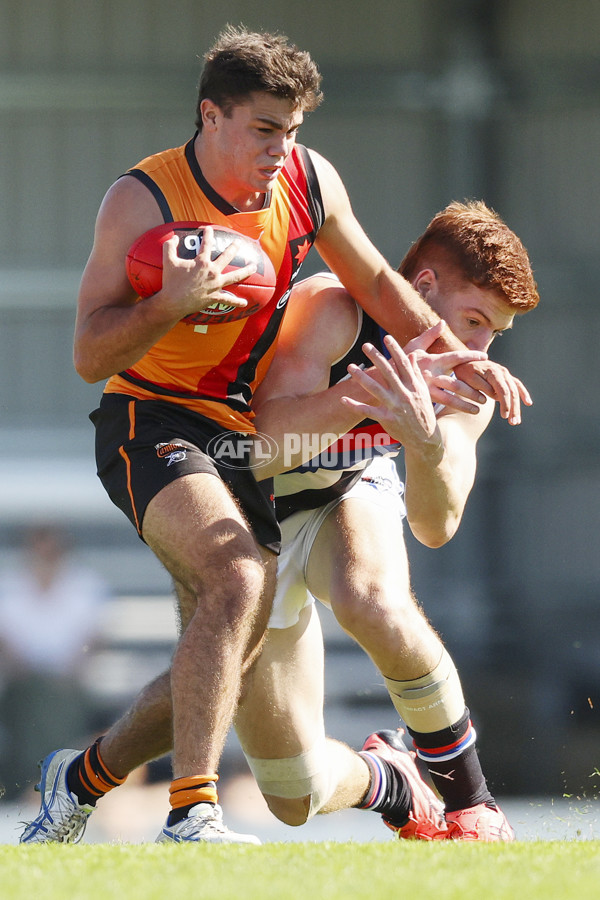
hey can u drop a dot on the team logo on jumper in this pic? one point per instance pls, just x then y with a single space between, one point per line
173 453
285 297
242 451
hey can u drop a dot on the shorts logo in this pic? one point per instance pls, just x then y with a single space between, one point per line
173 453
377 482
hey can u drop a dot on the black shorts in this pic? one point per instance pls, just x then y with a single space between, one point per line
143 445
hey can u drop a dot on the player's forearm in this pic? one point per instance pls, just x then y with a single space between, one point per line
403 313
434 503
303 427
114 338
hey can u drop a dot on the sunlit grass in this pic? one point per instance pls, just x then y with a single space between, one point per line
315 871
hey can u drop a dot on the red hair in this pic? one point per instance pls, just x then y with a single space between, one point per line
471 242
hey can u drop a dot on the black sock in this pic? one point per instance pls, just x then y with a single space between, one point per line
459 780
75 783
88 778
389 793
176 815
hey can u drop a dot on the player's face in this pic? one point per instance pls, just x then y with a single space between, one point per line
253 142
474 314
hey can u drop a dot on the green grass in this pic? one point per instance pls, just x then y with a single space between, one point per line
313 871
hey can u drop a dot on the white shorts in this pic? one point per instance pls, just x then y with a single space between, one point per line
379 484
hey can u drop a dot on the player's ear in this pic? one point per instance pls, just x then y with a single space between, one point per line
209 112
424 282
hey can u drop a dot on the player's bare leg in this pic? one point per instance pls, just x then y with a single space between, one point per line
369 592
225 583
281 729
299 771
144 732
368 588
218 564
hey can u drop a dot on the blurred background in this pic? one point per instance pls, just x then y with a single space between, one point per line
425 102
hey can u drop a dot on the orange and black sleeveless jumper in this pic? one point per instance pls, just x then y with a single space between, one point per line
214 369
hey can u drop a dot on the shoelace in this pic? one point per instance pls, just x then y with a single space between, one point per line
73 827
71 821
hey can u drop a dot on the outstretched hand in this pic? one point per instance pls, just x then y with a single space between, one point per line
438 370
402 402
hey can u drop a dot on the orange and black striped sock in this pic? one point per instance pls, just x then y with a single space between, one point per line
88 778
187 792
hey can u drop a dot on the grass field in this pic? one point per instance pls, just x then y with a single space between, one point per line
549 870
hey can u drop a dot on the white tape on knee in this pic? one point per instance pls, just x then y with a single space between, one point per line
305 775
432 702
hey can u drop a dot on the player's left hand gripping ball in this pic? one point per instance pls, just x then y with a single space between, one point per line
144 267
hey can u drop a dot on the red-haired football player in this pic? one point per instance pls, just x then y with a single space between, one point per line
341 518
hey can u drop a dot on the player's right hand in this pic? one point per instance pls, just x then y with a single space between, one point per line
483 376
191 285
438 369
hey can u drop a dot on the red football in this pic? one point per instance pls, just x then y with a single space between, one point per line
144 267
